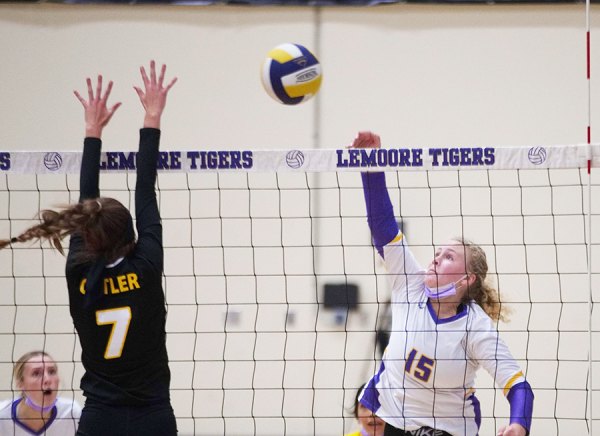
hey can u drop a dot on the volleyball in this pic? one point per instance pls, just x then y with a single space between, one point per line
291 74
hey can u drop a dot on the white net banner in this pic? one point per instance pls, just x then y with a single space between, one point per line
317 160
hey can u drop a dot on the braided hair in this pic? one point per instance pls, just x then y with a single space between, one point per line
104 223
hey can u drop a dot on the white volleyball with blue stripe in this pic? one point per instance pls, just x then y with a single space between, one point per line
291 74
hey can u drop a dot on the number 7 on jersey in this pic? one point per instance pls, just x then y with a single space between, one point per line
119 318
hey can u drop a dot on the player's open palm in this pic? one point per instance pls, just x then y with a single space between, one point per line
97 113
512 430
366 140
154 94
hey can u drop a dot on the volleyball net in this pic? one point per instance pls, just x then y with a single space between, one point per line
276 298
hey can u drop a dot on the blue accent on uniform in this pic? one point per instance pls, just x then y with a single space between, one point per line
477 408
520 397
463 312
409 360
380 213
370 396
27 429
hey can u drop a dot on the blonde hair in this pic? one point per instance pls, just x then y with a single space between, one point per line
481 291
19 368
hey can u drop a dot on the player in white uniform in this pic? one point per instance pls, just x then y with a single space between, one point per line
38 411
442 333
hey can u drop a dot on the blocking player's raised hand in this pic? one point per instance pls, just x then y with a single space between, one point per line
96 112
154 94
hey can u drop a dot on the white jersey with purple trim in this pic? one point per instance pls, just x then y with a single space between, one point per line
63 421
427 374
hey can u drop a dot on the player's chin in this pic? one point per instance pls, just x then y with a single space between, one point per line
430 280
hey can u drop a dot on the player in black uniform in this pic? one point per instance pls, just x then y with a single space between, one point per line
115 282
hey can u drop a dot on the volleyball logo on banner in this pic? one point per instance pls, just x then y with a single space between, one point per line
537 155
53 161
294 159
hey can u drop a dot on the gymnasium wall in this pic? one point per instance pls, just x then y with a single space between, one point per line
420 75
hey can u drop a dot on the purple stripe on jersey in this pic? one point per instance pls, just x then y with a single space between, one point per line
520 397
463 312
370 397
380 213
42 430
477 408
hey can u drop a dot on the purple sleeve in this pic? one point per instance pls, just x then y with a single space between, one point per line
520 397
380 213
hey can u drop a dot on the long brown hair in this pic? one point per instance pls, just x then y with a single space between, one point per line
481 291
104 223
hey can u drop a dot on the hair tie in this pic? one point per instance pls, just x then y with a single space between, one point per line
99 205
13 240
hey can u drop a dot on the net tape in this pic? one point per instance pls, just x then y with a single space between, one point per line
317 160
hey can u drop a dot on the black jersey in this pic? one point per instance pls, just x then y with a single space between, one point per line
122 326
